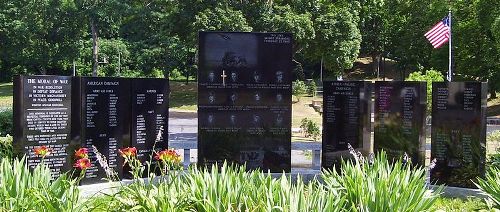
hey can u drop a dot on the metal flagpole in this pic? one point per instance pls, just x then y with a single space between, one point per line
450 48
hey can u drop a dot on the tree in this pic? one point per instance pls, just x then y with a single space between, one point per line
337 39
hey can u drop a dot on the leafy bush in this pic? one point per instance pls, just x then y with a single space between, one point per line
490 185
312 88
6 150
310 128
382 186
298 88
429 77
6 123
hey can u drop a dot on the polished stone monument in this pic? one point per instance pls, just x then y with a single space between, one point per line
105 122
400 112
42 117
244 99
346 120
458 132
149 116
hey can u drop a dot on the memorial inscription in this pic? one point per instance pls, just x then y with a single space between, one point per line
400 119
244 116
346 119
105 122
42 117
458 132
149 115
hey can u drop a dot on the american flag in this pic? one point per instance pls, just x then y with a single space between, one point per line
440 33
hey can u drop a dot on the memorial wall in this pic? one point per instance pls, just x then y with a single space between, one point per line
244 99
65 113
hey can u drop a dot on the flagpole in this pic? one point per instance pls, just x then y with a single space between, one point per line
449 50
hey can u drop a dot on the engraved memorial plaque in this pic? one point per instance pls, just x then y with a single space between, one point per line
400 119
42 117
346 120
245 114
105 122
149 115
458 132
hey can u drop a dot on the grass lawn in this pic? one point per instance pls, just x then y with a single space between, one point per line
6 94
182 96
457 204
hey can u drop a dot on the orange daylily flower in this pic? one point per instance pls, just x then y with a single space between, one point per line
82 163
82 153
128 152
42 151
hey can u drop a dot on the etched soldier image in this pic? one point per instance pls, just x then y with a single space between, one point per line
279 97
211 119
256 97
232 119
233 98
279 77
256 77
256 119
211 76
279 120
234 76
211 98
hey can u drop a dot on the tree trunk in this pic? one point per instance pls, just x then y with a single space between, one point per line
95 48
376 64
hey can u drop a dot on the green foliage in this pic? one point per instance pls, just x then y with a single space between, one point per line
6 122
310 128
22 189
458 204
221 19
298 88
312 88
6 150
379 185
429 77
491 186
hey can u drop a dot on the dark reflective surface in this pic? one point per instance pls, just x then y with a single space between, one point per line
399 119
105 108
149 115
42 117
458 132
244 99
346 119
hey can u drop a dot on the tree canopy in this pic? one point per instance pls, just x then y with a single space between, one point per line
159 37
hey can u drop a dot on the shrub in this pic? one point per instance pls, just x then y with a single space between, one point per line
490 185
6 123
6 150
429 77
312 88
298 88
382 186
310 128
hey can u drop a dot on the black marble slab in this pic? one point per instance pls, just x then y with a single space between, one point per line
42 117
458 132
400 112
244 99
149 115
346 120
105 122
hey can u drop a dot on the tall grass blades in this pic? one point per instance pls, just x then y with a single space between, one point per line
382 186
490 185
25 190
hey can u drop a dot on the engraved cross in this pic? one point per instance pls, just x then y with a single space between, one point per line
223 77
